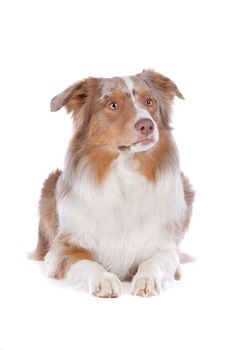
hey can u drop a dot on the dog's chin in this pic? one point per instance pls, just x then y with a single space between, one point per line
138 146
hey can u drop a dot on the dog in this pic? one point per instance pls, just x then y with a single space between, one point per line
121 206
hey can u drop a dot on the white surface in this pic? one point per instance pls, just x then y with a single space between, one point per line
46 46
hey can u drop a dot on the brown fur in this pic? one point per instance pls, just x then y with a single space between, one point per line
178 274
165 90
99 132
48 216
101 147
164 84
153 161
67 254
99 140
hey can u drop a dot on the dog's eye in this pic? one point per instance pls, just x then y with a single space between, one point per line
149 102
113 105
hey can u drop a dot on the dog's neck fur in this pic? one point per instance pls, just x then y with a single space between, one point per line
100 160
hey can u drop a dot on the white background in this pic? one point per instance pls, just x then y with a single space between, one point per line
47 45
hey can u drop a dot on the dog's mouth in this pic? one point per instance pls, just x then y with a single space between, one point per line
143 143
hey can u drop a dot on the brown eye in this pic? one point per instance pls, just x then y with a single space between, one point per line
114 105
149 102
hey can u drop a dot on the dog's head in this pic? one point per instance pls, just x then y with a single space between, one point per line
120 114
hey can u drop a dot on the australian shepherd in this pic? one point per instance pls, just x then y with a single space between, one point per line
120 208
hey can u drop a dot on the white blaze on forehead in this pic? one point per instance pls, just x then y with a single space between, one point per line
141 112
130 85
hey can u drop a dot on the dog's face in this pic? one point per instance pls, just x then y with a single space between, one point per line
125 116
122 114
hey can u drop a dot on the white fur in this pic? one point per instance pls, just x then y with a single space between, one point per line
142 148
124 222
152 272
99 282
141 113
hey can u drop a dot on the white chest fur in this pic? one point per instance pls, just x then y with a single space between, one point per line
124 221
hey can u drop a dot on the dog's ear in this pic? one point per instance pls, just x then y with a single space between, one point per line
163 84
74 97
165 91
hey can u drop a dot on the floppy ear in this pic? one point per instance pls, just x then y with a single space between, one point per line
163 84
165 91
74 97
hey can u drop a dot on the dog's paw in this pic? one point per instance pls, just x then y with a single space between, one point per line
145 286
106 285
50 264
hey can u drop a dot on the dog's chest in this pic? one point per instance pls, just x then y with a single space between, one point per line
124 220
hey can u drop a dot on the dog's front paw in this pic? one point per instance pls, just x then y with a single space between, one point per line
105 285
145 286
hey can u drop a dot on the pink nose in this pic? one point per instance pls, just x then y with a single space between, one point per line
145 126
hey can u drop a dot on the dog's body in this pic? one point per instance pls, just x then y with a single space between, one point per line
121 206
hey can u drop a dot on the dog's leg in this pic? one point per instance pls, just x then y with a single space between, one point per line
100 282
151 273
77 265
